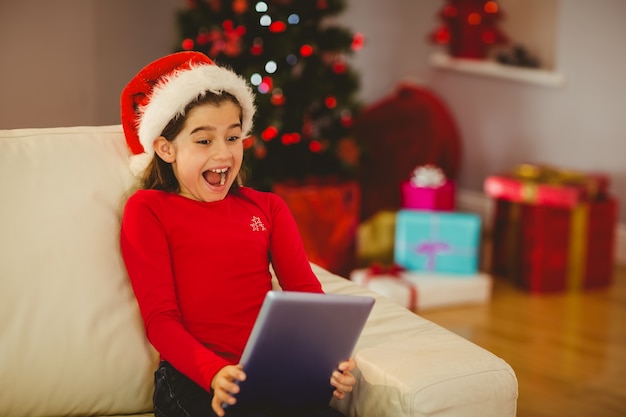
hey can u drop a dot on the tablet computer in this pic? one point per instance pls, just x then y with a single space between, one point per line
295 345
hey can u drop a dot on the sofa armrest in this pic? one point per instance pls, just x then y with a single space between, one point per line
409 366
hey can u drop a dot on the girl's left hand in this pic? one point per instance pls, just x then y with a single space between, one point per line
342 379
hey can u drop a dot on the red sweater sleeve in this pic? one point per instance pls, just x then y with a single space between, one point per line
147 257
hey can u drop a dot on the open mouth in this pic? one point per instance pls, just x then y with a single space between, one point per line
216 177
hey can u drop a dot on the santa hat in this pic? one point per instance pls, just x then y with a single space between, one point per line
162 90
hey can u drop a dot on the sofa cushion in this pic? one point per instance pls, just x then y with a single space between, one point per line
72 340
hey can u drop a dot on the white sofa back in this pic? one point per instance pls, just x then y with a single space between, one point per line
71 341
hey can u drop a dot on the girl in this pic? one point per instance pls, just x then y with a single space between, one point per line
198 245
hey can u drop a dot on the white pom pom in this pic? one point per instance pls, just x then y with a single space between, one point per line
139 163
428 176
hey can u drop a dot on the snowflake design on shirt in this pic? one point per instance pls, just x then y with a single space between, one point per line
257 225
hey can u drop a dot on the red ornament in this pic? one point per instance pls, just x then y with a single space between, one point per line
306 50
187 44
339 67
290 138
278 98
315 146
277 27
330 102
358 40
269 133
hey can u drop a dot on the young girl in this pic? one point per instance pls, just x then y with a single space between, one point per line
197 244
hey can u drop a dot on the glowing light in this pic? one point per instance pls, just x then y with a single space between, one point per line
228 25
358 41
187 44
265 20
330 102
474 19
249 142
315 146
271 67
277 27
491 7
255 79
293 19
265 86
442 35
290 138
306 50
261 7
277 99
339 67
269 133
292 59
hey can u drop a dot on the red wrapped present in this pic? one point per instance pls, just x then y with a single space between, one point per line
428 189
547 186
327 216
552 249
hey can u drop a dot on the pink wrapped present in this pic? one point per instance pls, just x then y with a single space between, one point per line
428 189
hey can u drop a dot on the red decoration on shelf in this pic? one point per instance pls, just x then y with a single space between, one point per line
469 28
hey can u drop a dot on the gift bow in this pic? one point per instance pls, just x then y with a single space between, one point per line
393 271
428 176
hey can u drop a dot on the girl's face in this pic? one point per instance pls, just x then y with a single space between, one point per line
207 154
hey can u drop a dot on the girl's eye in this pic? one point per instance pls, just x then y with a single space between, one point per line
204 142
232 138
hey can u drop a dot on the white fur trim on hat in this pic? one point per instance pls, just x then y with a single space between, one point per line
175 91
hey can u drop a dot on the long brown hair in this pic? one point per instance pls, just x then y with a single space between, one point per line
159 175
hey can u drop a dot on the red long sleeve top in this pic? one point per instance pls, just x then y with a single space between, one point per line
200 271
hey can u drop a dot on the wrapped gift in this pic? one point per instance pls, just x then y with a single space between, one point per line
547 186
552 249
445 242
327 216
420 291
428 189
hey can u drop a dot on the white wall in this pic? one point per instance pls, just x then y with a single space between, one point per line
65 62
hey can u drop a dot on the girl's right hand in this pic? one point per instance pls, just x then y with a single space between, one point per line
224 385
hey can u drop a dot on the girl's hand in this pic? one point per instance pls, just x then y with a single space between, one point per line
224 385
342 379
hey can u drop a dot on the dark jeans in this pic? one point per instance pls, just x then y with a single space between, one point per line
175 395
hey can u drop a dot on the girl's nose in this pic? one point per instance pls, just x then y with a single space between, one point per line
220 150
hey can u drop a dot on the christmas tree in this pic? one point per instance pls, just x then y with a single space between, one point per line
469 28
297 62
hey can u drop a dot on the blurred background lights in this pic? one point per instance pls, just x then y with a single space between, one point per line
271 67
292 59
261 7
293 19
265 20
256 79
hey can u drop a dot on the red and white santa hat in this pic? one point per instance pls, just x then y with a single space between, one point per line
162 90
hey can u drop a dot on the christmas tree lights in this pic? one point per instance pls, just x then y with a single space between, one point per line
298 63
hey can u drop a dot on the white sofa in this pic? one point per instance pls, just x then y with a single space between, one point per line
71 339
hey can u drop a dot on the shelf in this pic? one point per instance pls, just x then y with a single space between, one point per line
496 70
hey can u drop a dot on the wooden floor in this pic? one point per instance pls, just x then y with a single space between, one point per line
568 351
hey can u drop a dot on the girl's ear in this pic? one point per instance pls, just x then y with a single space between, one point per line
165 149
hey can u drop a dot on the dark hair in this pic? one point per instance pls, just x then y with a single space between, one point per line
159 174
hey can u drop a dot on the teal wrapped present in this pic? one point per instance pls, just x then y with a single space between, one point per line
446 242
